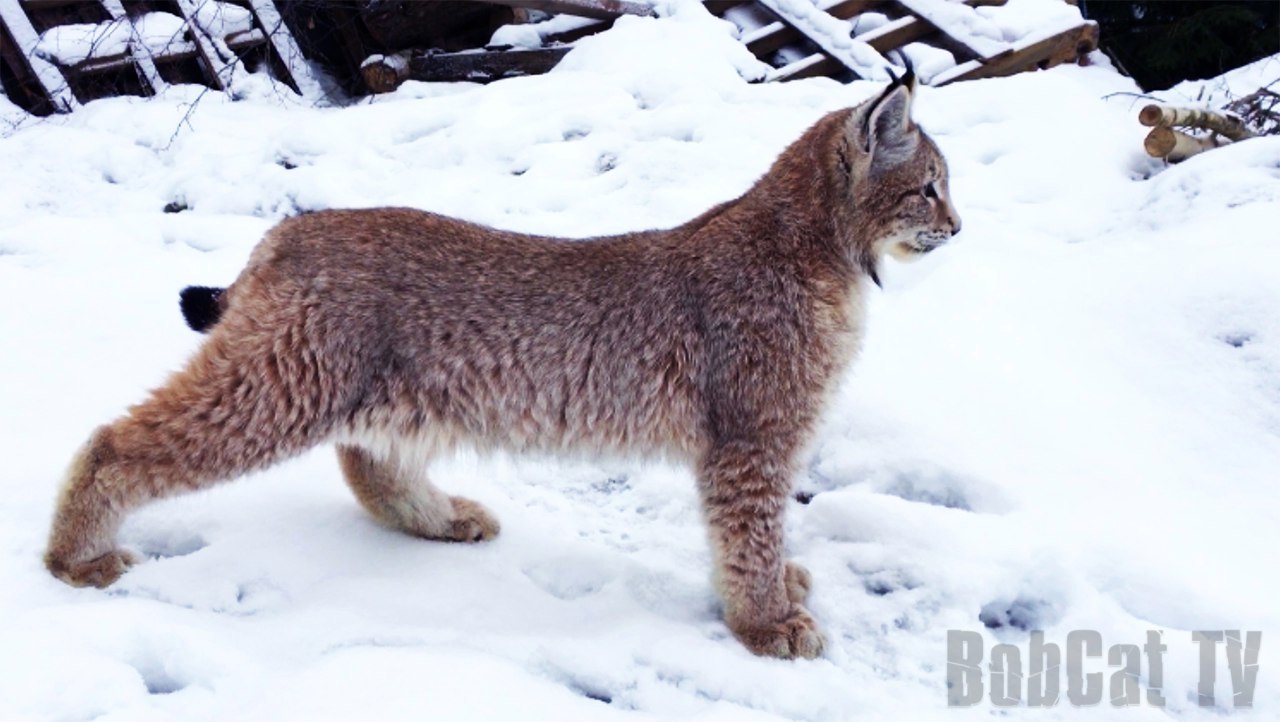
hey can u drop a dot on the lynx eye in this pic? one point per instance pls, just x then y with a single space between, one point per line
930 190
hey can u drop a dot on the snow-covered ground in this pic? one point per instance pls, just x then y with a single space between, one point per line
1069 419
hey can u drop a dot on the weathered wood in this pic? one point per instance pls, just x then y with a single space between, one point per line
178 50
720 7
600 9
385 73
484 67
282 42
972 46
889 36
138 50
1175 146
1167 116
216 68
47 77
1038 52
771 38
810 66
828 45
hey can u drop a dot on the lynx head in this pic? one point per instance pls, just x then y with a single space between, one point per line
897 179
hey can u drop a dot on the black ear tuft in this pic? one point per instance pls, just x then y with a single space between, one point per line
909 79
200 306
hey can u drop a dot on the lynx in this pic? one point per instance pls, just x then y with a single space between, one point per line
397 334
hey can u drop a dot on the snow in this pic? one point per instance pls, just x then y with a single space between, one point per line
77 42
961 22
1068 417
222 19
1213 93
161 31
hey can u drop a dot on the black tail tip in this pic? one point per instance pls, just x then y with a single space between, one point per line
200 306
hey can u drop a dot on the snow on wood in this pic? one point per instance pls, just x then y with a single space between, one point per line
483 67
1167 116
138 47
1174 145
285 46
962 24
161 32
217 67
833 36
1042 50
385 73
70 45
45 73
221 19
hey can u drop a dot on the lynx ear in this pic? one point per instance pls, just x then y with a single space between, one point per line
889 137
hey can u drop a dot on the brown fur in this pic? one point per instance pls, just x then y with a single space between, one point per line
398 334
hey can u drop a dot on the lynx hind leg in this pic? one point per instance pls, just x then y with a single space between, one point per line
220 417
403 498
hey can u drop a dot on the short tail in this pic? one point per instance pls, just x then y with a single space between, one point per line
201 306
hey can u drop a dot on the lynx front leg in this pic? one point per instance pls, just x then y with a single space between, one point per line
403 498
744 491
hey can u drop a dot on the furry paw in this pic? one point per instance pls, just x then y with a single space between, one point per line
799 581
99 572
795 636
471 522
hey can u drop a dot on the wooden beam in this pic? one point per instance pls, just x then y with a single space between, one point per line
179 50
484 67
599 9
139 53
889 36
825 42
46 75
971 46
282 42
1043 52
771 38
216 68
720 7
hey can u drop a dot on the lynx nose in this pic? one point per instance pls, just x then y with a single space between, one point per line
955 225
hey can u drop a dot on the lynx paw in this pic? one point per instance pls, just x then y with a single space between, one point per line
795 636
472 522
799 581
98 572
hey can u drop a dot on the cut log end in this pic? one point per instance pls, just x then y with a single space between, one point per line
385 73
1175 146
1151 116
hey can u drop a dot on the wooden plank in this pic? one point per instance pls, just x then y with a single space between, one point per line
217 68
1041 52
933 12
599 9
139 53
484 67
720 7
45 73
178 50
810 66
843 56
889 36
591 27
771 38
282 42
